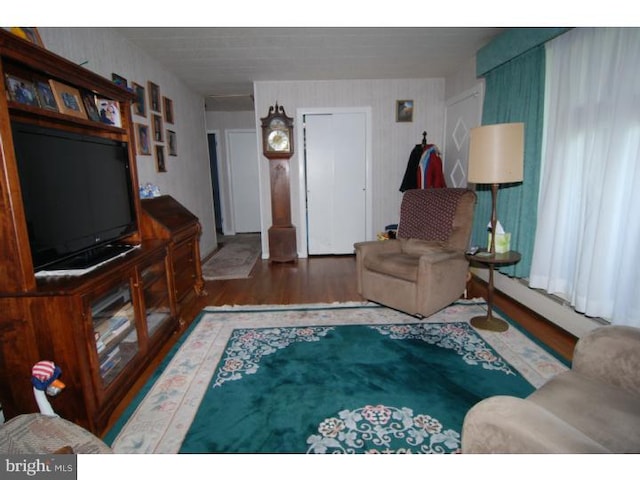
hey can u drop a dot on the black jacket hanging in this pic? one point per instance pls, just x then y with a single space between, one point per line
410 179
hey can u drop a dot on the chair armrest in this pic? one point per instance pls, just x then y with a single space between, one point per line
504 424
441 255
611 355
377 246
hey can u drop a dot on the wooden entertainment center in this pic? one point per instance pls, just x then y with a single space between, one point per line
101 328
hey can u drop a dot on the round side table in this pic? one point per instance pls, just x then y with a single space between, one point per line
489 322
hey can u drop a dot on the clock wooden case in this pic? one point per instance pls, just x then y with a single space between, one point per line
277 146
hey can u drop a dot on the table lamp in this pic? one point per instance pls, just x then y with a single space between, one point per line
496 156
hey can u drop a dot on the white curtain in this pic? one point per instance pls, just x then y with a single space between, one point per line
587 246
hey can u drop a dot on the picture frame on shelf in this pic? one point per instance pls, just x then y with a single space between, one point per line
68 99
30 34
172 144
154 97
161 165
140 104
404 110
89 101
157 128
21 90
142 139
45 95
168 110
109 111
119 80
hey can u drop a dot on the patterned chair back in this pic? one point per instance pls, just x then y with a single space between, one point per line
428 214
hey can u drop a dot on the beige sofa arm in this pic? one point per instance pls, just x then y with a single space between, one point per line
610 355
504 424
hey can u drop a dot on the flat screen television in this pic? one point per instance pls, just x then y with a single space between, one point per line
77 195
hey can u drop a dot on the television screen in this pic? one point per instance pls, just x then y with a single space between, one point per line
76 191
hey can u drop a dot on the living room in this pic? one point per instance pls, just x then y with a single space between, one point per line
106 51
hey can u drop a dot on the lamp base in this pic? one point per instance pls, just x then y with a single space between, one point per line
490 323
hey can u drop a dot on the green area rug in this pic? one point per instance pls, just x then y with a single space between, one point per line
340 378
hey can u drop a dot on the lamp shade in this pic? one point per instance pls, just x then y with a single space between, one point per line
496 153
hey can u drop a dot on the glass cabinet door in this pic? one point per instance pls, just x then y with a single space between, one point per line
155 288
114 329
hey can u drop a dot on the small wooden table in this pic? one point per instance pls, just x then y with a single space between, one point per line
489 322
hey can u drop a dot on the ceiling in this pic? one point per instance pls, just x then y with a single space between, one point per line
221 63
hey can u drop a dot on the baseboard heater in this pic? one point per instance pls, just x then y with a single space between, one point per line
564 316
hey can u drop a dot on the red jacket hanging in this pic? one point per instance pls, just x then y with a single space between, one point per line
424 169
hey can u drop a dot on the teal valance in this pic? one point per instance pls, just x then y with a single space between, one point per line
510 44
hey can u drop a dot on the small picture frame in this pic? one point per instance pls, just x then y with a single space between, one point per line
119 80
142 139
21 90
172 144
45 95
404 110
140 104
154 97
68 99
160 163
109 111
89 101
157 128
168 110
27 33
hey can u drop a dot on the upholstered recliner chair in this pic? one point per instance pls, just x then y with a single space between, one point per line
424 269
592 408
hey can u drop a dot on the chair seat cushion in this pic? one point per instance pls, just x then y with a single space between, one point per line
395 264
609 415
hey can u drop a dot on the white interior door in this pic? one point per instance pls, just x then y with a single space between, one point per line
335 161
463 113
245 196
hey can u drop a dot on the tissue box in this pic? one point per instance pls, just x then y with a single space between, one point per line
503 242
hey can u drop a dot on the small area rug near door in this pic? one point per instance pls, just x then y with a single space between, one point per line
235 259
336 378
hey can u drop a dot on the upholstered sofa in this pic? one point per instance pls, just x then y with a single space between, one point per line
35 433
425 268
592 408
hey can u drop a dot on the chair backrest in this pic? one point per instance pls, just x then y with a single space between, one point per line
438 214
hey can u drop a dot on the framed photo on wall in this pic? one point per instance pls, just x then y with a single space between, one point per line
154 97
160 163
172 143
142 139
140 104
404 110
168 110
157 128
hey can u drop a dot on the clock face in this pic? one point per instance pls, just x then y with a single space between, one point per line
278 141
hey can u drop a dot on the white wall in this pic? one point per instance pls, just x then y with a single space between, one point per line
392 142
187 179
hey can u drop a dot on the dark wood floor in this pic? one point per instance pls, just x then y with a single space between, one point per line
325 279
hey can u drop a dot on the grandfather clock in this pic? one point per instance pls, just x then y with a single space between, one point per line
277 146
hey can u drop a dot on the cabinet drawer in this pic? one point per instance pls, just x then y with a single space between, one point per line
182 254
184 280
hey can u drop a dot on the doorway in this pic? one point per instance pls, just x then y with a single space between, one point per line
215 180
